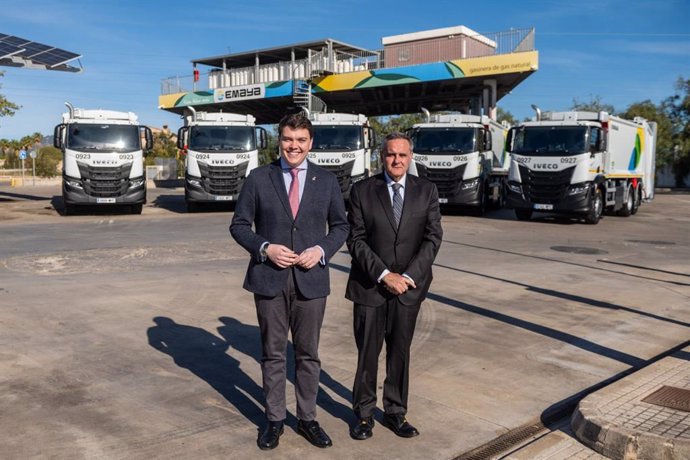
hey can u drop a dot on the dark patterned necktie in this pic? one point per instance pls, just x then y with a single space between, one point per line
397 203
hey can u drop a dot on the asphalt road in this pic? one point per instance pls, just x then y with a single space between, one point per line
129 336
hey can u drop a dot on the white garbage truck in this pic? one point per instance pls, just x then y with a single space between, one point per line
342 144
581 163
464 156
220 150
103 158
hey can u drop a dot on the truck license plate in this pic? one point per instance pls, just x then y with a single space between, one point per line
543 207
105 200
224 198
443 200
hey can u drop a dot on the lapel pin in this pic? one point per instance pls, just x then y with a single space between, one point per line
313 178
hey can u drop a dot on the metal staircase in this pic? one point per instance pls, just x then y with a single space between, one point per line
302 97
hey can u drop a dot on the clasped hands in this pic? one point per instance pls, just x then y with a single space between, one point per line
285 257
397 284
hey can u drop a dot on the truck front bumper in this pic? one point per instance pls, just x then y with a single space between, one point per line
568 203
74 193
194 192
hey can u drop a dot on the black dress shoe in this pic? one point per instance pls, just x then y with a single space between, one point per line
314 433
269 436
399 425
363 428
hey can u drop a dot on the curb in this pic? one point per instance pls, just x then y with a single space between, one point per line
600 418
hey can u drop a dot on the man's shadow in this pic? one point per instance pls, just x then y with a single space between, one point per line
204 355
246 339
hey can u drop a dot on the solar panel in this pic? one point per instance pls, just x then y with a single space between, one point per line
20 52
32 49
7 50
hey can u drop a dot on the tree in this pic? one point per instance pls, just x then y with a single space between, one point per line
270 153
398 123
7 108
47 161
677 108
595 104
505 115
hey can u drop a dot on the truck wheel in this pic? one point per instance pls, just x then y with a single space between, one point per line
637 201
596 207
523 214
481 208
629 204
136 208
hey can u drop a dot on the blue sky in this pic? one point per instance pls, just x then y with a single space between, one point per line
623 51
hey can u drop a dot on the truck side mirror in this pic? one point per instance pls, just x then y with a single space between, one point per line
263 137
148 136
372 137
510 139
601 142
58 133
487 139
181 135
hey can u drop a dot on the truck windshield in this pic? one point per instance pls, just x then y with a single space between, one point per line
103 137
435 140
222 138
550 140
334 137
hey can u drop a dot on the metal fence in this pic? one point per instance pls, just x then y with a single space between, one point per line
460 47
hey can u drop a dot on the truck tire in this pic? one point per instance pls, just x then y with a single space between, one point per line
637 201
480 210
136 208
629 204
596 207
523 214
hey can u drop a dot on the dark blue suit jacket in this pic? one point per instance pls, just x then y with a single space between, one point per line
321 220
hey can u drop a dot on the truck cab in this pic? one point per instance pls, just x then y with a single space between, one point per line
342 144
103 158
464 156
221 149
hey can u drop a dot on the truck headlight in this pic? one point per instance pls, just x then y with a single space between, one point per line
138 182
470 185
194 182
515 187
578 189
73 183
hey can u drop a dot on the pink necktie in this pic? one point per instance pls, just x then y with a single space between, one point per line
294 192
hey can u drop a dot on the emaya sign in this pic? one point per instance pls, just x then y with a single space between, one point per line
239 93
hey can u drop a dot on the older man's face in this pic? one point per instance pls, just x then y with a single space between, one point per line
397 156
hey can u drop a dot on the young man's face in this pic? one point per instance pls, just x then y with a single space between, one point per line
396 158
295 145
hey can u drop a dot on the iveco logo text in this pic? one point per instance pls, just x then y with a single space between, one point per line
104 162
545 166
440 163
222 162
328 161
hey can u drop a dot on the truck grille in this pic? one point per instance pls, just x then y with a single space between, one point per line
343 172
223 180
547 187
447 180
105 182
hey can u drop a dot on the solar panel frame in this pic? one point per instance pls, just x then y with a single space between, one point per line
7 50
12 40
54 57
33 49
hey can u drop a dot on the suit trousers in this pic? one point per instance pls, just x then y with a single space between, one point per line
393 323
290 311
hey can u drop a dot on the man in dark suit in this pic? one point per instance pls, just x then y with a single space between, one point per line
299 221
395 234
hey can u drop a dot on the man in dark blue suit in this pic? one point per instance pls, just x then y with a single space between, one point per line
298 214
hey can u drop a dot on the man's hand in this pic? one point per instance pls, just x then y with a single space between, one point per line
396 284
309 258
281 255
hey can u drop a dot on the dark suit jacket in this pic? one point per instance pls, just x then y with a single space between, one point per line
375 244
321 220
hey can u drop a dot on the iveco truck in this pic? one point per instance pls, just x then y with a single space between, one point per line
221 150
342 144
581 163
464 156
103 160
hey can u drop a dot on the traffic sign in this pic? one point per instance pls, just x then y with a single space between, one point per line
22 154
32 154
